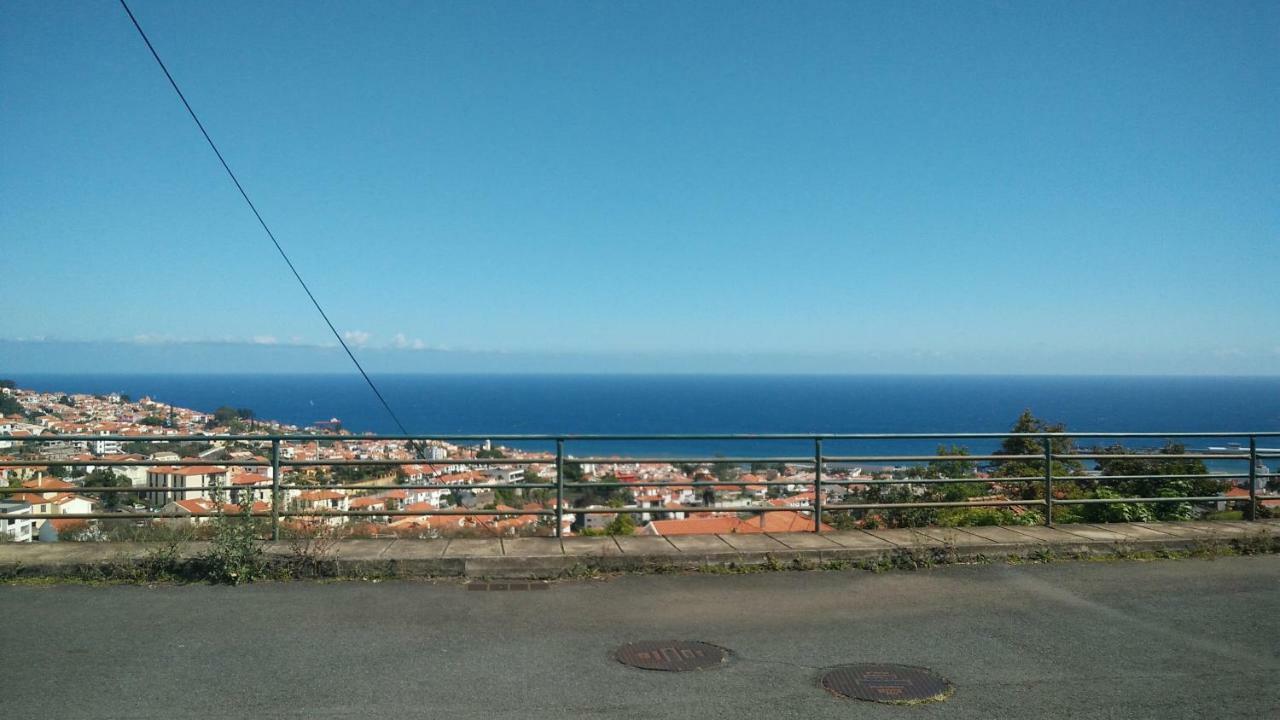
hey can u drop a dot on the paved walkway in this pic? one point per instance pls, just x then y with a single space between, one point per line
551 557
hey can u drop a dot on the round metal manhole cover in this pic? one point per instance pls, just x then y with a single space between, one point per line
895 684
672 655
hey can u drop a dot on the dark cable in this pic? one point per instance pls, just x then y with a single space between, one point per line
262 222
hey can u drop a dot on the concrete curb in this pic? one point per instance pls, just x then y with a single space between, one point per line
544 558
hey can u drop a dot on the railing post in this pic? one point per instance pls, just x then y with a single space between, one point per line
1252 513
559 486
275 489
1048 482
817 485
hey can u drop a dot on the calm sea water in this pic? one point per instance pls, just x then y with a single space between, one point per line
615 404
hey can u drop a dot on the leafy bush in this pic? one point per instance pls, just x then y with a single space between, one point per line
235 553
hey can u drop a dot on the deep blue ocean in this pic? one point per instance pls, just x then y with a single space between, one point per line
675 404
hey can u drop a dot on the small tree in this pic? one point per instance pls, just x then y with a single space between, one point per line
106 478
623 524
9 405
225 416
1028 423
1163 462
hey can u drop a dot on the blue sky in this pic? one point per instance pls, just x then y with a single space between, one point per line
789 187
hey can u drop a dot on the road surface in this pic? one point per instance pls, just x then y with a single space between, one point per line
1168 639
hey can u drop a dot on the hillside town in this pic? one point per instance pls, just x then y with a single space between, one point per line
486 490
351 485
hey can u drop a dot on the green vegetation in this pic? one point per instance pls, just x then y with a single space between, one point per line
232 418
104 477
614 496
9 405
1028 423
1025 462
623 524
727 472
1163 462
235 553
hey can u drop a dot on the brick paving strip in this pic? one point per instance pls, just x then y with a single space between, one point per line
542 558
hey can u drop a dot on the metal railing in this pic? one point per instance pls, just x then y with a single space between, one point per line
818 460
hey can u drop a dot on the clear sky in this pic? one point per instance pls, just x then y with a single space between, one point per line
827 187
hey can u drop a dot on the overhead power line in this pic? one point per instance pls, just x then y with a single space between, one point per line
231 174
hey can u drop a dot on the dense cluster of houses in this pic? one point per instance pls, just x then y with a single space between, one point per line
228 479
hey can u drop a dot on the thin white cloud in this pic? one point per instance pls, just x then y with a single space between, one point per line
402 342
264 340
359 338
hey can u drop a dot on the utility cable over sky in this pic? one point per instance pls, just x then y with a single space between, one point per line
263 223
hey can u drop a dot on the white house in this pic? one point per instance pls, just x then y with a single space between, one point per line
13 523
247 484
189 481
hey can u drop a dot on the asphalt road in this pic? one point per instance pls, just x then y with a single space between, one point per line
1170 639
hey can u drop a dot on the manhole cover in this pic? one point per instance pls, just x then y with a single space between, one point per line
672 655
897 684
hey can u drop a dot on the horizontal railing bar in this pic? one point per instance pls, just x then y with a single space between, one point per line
606 510
671 460
690 510
303 437
695 483
126 488
926 458
1108 501
447 461
261 487
1151 456
895 506
1156 476
934 481
267 514
415 513
4 462
431 486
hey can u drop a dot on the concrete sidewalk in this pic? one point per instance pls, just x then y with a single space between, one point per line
551 557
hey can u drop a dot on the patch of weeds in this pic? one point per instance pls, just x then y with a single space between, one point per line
235 553
1013 559
1043 555
837 565
165 562
311 553
803 564
579 571
1256 544
911 559
878 564
10 573
947 554
1123 551
1210 549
